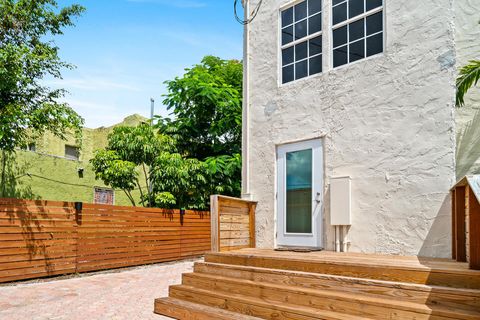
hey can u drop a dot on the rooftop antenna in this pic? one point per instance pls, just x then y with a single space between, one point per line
152 109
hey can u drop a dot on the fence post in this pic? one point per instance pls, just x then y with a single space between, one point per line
214 223
474 230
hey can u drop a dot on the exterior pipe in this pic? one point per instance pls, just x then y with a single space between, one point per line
337 239
245 108
344 240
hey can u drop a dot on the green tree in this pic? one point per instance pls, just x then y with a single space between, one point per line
206 106
28 55
167 179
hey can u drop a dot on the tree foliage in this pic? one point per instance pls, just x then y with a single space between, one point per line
27 56
184 159
206 106
141 158
206 109
469 76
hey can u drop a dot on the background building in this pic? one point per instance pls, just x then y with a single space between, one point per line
56 169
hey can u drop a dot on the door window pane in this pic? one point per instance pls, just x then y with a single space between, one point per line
299 191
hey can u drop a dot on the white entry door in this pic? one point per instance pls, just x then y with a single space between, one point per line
300 194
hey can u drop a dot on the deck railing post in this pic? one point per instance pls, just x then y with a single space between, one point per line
251 212
215 223
473 230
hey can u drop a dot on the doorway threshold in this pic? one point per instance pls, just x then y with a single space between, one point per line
298 249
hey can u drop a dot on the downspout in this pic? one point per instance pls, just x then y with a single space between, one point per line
245 109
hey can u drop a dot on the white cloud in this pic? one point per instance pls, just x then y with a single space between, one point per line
175 3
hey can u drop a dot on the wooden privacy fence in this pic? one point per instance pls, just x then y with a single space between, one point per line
233 223
466 221
45 238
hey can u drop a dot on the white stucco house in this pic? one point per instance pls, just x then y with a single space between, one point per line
362 90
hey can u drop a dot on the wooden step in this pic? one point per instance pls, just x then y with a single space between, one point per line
181 309
256 307
341 302
432 296
404 269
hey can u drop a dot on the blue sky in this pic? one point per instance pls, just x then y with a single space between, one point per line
125 49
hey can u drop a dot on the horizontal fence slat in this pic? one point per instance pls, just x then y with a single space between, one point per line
45 238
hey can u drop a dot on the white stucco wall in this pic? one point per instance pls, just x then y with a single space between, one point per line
388 122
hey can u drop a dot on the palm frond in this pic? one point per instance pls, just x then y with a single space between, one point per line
468 77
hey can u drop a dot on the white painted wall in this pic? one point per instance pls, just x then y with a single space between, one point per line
387 122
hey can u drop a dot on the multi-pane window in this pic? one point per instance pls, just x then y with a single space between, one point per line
72 152
301 40
357 30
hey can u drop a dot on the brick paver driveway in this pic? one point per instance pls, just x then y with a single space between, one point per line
126 294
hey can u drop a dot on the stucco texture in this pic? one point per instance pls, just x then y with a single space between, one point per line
387 122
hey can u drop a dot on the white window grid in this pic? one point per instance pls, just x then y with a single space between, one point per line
349 21
307 38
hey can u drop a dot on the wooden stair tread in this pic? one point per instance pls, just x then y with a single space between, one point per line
233 284
319 262
181 309
343 279
353 256
253 305
370 260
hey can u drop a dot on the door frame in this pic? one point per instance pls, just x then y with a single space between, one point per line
314 239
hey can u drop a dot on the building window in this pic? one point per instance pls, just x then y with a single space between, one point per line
72 152
357 30
104 196
31 147
301 42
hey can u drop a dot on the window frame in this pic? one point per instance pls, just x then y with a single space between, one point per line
73 147
307 38
349 21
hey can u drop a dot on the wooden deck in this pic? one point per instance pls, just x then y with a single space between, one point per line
268 284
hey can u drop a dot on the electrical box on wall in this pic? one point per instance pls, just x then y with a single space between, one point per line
340 201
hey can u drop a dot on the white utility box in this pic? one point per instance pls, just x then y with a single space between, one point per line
340 201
